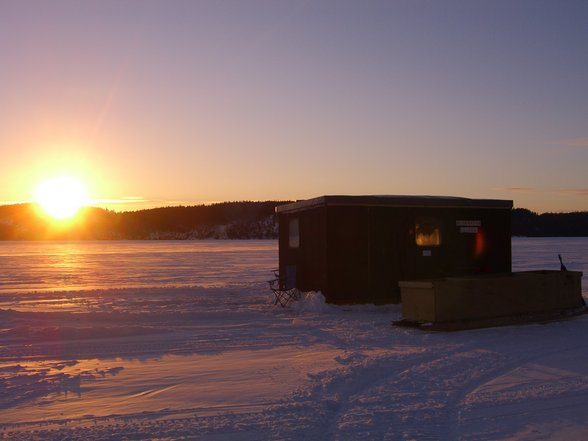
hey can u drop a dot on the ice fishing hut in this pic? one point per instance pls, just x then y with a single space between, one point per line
355 249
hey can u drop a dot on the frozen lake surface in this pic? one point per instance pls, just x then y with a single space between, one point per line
50 266
180 340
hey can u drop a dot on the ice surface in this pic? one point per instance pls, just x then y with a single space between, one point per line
51 266
198 351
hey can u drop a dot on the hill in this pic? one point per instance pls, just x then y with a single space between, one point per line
227 220
528 223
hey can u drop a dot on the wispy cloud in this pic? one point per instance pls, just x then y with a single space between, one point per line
573 142
13 202
574 191
563 191
123 200
519 189
136 203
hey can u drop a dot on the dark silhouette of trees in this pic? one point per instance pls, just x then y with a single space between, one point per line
528 223
227 220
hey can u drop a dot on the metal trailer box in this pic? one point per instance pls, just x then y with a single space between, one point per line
355 249
477 298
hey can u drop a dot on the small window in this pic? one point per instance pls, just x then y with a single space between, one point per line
294 233
427 233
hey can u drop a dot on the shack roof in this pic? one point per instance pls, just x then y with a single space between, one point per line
394 201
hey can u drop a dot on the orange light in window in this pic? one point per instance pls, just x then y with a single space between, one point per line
427 233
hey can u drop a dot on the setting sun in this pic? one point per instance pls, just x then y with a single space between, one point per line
61 197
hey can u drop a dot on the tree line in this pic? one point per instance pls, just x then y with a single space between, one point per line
528 223
227 220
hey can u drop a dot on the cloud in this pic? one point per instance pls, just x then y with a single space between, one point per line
573 142
563 191
13 202
123 200
520 189
128 203
574 191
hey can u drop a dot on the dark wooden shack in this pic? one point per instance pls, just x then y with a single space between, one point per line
355 249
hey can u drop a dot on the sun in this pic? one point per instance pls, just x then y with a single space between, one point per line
61 197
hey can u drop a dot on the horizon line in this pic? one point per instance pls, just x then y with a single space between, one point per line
176 204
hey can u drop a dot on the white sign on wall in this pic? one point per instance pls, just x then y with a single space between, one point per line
468 226
468 223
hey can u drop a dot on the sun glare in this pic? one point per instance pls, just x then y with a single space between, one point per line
61 197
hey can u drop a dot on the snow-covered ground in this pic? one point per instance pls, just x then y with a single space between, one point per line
180 340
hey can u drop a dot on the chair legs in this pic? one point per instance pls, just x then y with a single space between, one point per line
285 296
282 295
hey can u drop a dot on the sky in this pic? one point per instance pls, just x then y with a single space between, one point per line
155 103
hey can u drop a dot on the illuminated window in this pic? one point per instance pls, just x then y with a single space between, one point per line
427 233
293 233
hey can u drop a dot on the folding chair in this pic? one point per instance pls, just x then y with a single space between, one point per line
283 294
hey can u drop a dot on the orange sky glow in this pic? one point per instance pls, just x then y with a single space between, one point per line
166 103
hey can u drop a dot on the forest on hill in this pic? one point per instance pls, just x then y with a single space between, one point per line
529 223
227 220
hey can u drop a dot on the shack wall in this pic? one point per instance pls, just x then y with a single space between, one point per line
304 266
348 255
359 253
370 249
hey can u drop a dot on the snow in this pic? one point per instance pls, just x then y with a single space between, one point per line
198 351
